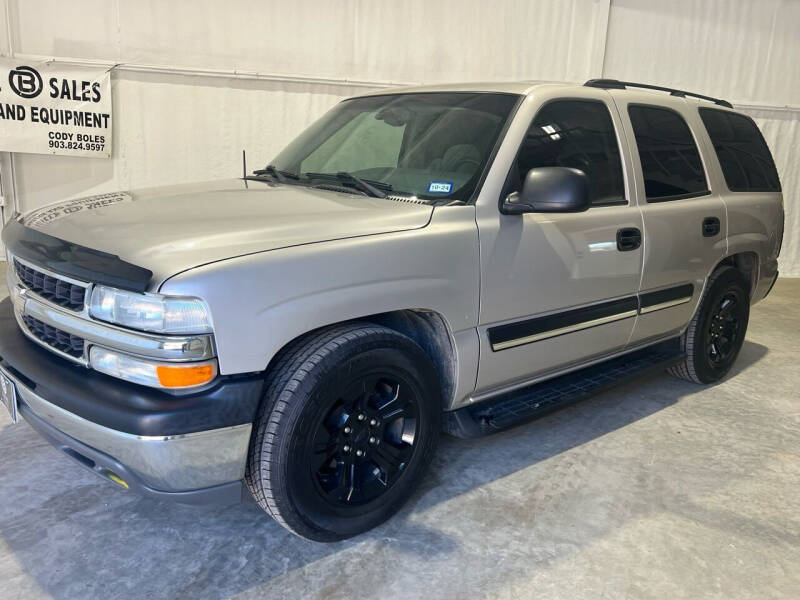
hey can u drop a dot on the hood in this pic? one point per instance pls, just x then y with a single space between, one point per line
170 229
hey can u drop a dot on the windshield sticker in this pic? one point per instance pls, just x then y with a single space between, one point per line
440 187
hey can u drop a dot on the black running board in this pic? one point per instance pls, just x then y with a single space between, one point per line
512 408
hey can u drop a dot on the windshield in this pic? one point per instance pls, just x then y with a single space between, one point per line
430 145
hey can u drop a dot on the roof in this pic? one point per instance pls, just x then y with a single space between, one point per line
527 87
507 87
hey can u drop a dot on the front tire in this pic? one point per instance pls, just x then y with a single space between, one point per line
349 423
716 333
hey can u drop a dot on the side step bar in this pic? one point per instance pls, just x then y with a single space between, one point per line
519 406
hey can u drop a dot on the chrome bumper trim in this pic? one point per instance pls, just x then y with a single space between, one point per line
172 463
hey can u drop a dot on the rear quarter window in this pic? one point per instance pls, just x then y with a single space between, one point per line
742 152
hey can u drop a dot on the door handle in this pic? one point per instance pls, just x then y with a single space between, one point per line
628 238
710 226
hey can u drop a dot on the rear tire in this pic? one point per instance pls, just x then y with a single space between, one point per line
349 423
715 335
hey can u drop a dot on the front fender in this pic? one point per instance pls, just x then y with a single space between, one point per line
262 301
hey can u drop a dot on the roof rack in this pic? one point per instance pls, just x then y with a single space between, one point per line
614 84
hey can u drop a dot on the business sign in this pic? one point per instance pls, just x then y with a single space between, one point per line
47 108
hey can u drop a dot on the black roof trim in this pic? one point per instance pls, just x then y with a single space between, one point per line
614 84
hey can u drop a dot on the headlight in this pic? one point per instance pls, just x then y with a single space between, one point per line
150 312
153 374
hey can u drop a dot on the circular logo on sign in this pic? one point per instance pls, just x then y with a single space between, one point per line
25 81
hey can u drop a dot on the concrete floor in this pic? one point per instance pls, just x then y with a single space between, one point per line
661 489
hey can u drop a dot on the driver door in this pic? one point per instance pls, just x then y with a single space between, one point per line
557 289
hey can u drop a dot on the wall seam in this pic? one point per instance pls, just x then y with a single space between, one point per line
8 181
294 78
604 47
216 73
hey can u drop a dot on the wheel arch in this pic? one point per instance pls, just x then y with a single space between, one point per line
746 262
428 328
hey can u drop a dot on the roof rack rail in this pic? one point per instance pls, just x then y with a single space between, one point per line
614 84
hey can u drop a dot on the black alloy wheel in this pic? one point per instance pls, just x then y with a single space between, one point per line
349 423
722 337
365 441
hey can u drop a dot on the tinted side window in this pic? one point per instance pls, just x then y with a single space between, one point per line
670 161
742 152
577 134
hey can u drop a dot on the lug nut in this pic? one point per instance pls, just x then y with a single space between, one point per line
359 453
347 430
373 439
362 416
346 448
373 422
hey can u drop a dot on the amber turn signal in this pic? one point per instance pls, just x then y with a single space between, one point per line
178 376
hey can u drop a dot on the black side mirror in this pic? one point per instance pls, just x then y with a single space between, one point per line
549 189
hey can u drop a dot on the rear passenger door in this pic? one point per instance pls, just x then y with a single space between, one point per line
685 221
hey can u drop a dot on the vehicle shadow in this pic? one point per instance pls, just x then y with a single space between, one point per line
73 536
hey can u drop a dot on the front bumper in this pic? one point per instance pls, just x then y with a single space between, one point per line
185 447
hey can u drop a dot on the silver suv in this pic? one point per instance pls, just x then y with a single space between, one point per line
457 257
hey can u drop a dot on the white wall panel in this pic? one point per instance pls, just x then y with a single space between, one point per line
414 40
743 50
73 28
457 40
305 36
4 29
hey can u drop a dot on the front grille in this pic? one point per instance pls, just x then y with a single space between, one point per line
55 338
51 288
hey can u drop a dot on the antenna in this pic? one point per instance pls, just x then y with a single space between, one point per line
244 165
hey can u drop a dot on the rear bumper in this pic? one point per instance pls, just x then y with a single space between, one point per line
190 448
768 275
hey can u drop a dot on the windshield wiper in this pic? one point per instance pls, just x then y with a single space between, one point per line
281 176
376 189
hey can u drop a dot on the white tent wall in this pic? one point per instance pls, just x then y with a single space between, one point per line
199 80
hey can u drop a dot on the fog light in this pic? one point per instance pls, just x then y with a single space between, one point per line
116 479
153 374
